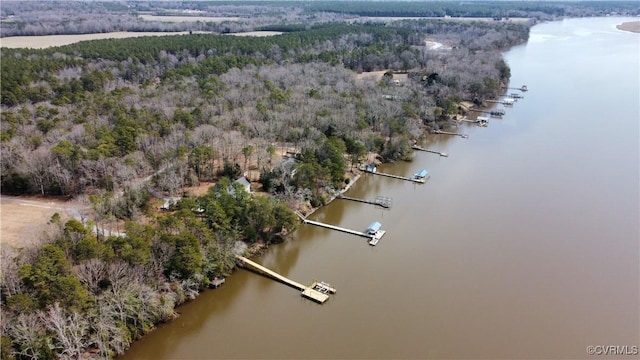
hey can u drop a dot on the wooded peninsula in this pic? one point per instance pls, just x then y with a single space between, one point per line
120 123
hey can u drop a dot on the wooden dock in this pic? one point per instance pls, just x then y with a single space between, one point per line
420 181
382 201
464 136
523 88
416 147
480 121
503 102
376 237
373 238
493 112
309 292
338 228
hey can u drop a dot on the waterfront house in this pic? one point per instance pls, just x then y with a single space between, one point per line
244 184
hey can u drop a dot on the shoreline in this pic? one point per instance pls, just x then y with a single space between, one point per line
630 26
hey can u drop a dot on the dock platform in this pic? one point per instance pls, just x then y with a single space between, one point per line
416 147
308 292
314 295
376 237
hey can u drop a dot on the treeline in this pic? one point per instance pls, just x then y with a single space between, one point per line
22 67
22 18
62 17
82 294
182 107
491 9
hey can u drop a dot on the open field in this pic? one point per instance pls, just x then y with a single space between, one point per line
377 75
216 19
433 45
22 219
45 41
257 33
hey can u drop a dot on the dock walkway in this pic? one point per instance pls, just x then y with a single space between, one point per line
420 181
416 147
492 112
464 136
382 201
338 228
503 102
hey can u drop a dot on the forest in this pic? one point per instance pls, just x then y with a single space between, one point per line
94 118
181 107
117 122
77 17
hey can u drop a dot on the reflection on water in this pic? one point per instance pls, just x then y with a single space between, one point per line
524 242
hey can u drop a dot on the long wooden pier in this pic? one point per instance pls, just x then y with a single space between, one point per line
464 136
492 112
503 102
338 228
480 121
416 147
416 180
522 88
309 292
382 201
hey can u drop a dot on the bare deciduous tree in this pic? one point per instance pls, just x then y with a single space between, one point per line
71 331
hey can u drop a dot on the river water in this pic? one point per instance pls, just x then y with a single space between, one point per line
524 243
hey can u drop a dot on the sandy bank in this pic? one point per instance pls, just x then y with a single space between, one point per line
632 26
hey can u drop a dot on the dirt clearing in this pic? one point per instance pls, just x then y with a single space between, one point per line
377 76
22 220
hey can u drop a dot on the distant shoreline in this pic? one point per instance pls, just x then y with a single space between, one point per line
632 26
